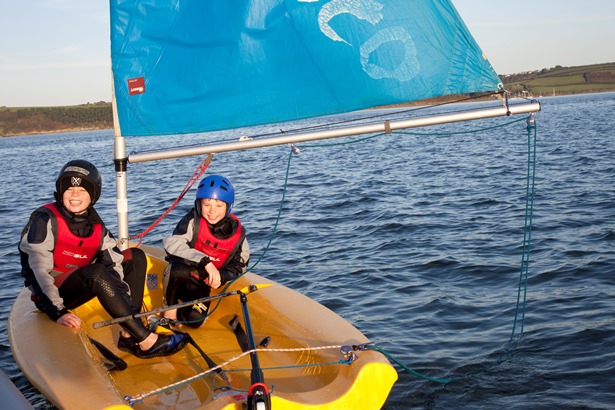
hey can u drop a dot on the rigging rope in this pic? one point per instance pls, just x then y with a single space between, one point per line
140 397
271 237
527 228
408 369
277 219
200 169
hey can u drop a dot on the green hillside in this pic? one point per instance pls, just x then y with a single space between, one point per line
37 120
562 80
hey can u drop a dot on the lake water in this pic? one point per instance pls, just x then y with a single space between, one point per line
415 239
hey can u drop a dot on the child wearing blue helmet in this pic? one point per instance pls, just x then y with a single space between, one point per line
208 248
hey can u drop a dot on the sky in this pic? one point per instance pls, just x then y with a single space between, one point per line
56 52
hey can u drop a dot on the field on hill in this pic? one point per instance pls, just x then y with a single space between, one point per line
562 80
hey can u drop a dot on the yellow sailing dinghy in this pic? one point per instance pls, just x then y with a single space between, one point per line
194 67
309 360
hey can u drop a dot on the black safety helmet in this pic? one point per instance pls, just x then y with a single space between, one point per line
81 173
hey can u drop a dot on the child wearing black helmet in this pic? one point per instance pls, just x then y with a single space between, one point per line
69 257
207 249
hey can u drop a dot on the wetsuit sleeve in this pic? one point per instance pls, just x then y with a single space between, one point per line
110 255
238 263
178 244
38 243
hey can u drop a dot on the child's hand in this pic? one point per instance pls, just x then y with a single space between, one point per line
200 267
70 319
214 280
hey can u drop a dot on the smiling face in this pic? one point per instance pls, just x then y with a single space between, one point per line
76 199
213 210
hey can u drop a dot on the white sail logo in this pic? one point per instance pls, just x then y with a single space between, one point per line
370 11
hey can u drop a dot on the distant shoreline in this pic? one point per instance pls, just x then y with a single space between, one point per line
23 121
431 101
61 131
557 81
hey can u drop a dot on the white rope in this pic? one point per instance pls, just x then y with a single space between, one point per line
140 397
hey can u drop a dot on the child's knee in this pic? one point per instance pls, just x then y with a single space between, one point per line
180 272
195 315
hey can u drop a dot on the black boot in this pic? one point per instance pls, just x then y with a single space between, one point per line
166 345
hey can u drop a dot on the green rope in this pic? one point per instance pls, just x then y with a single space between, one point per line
527 228
408 369
277 220
273 232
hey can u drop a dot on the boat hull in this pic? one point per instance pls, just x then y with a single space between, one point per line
301 364
11 396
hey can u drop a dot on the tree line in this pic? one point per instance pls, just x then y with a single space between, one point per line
33 120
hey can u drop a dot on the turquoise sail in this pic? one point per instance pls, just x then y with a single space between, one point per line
196 66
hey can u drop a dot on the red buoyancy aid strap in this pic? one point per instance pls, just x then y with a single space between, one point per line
71 251
218 250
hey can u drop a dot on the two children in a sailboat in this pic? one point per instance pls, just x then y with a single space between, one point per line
208 248
68 257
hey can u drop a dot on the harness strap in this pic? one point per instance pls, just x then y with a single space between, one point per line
117 363
240 334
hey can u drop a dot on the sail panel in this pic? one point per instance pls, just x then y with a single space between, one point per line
196 66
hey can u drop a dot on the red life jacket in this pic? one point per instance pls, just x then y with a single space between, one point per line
70 251
217 250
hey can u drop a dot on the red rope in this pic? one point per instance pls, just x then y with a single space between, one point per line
196 175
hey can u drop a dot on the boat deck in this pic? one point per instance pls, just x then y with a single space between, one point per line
302 364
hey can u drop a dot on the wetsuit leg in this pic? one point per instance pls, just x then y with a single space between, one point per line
178 279
135 264
96 280
182 286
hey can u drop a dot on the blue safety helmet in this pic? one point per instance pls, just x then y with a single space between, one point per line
216 187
